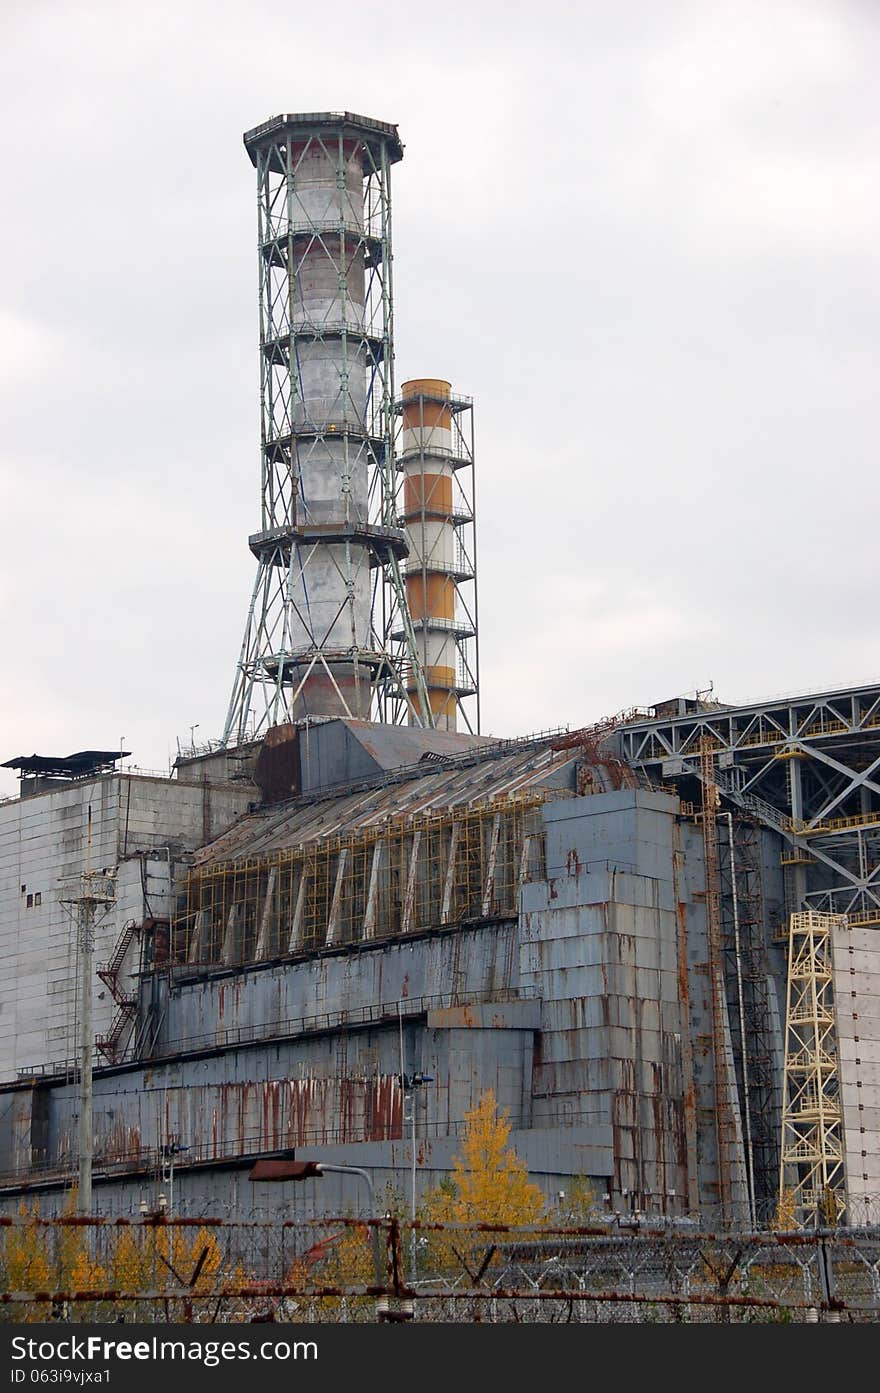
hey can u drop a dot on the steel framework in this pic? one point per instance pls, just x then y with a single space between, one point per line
329 590
812 1176
397 878
746 972
806 766
726 1131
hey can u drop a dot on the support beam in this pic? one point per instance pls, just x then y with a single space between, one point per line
266 917
333 920
489 888
409 898
449 880
294 942
231 944
195 942
379 851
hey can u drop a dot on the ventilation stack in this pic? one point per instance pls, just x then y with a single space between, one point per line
318 638
435 458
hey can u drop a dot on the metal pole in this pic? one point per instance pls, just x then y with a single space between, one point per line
94 889
365 1176
747 1119
86 943
409 1096
412 1232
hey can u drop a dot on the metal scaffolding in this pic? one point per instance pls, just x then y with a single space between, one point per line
329 589
725 1113
746 971
395 878
806 766
812 1180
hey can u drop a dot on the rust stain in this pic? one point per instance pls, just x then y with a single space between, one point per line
681 965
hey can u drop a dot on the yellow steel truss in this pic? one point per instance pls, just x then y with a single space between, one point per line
812 1178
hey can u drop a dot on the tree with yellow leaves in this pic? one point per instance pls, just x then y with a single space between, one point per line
25 1265
489 1185
163 1257
343 1259
76 1266
785 1219
581 1205
52 1256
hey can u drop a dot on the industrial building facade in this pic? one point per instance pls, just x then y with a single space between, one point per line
652 939
527 916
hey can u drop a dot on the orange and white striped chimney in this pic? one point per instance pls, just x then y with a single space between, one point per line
437 563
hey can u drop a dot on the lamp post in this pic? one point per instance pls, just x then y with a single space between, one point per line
280 1170
168 1152
409 1083
323 1166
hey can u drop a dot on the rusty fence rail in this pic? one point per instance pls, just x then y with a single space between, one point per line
344 1269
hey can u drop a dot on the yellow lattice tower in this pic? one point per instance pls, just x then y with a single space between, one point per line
812 1165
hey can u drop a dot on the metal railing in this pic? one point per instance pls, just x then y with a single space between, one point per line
292 1027
375 1013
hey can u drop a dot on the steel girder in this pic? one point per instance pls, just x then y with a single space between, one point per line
807 766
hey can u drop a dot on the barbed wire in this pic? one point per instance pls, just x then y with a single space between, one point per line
345 1269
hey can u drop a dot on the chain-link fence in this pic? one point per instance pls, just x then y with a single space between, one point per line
346 1269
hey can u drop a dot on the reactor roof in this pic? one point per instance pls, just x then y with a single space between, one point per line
312 121
438 782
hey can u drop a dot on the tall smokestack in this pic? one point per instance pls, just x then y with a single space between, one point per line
317 641
435 457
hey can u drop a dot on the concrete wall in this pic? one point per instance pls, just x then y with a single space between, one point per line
856 961
600 943
472 961
590 1018
141 826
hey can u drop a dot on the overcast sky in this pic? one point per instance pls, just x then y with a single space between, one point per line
642 234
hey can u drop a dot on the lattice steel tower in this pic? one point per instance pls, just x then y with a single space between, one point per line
329 591
812 1173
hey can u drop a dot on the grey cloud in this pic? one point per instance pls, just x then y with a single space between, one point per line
643 236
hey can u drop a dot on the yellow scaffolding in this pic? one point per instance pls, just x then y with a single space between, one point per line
812 1179
396 877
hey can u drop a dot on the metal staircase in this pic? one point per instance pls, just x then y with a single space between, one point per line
112 1044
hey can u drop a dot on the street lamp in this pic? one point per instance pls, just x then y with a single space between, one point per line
409 1083
168 1151
271 1169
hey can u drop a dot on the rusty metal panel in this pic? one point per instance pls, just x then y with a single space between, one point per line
519 1015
